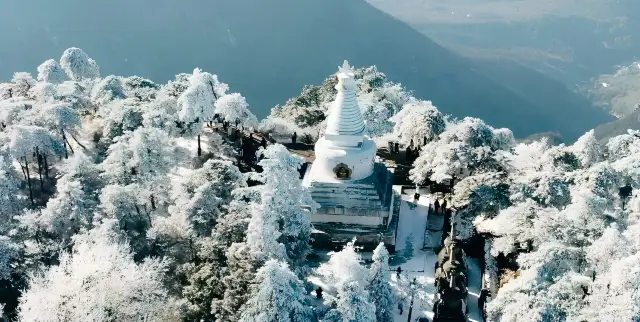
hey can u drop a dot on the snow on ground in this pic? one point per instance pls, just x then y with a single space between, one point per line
412 221
421 265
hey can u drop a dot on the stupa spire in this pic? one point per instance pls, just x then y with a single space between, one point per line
345 117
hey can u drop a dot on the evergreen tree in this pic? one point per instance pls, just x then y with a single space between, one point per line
197 102
418 121
234 108
99 281
277 296
282 210
352 301
201 194
382 295
206 273
51 72
78 66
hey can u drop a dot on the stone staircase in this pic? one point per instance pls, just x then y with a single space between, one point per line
433 233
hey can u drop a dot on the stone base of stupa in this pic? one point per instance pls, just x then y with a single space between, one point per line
354 208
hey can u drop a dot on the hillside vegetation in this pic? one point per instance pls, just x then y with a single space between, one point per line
269 49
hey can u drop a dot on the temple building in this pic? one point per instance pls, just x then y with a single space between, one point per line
354 190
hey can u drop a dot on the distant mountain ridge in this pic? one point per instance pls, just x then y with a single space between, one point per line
618 127
268 50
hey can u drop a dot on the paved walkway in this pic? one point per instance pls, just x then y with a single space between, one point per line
415 220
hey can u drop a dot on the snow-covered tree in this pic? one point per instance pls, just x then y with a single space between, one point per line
201 194
176 87
417 122
107 89
75 94
78 66
141 88
9 250
213 276
25 141
51 72
145 156
614 296
43 92
464 148
513 227
352 301
73 205
60 119
546 286
379 287
624 154
22 82
241 264
99 281
119 117
277 296
197 103
133 216
279 228
281 216
375 114
235 109
587 149
162 113
11 201
12 111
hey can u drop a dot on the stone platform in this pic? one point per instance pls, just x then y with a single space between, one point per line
356 208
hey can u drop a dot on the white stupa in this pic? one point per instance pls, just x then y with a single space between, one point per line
344 152
353 190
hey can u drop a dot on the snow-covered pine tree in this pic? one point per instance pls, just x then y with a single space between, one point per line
51 72
279 228
22 83
107 90
235 109
277 296
99 281
78 66
197 102
282 207
11 199
418 121
72 207
352 301
379 287
201 194
587 149
206 277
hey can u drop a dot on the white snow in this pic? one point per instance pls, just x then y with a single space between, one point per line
413 220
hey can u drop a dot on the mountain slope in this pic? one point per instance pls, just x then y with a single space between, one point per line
268 50
618 127
570 40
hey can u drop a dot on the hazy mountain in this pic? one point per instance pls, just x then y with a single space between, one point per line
619 92
620 126
570 40
268 50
